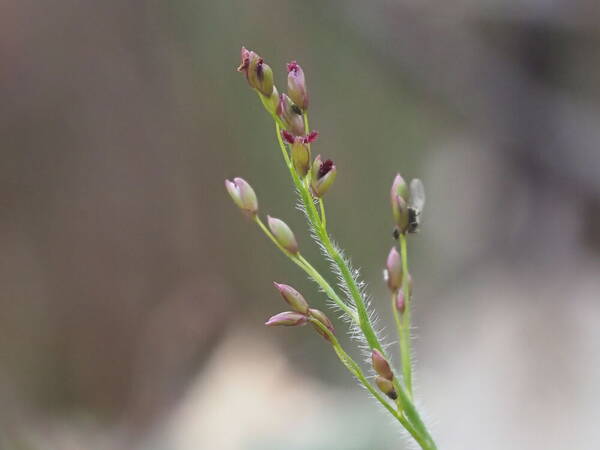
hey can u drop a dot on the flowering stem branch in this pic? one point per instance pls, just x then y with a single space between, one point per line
424 440
299 260
404 329
312 181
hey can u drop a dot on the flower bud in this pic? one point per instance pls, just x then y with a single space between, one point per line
243 195
300 150
287 319
381 366
297 85
399 199
400 304
321 317
323 176
283 234
323 320
399 187
270 103
301 158
387 387
394 270
264 78
258 74
293 298
291 115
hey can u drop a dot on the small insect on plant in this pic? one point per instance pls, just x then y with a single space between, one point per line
415 206
312 179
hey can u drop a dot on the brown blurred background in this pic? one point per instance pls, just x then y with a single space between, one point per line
133 292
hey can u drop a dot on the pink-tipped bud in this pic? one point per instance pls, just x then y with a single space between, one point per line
323 175
283 234
381 366
399 198
242 195
399 187
400 303
287 319
291 115
394 270
297 85
293 298
323 320
258 73
387 387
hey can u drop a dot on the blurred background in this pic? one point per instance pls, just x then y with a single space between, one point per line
134 292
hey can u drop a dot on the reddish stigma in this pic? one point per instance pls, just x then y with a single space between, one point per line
287 136
325 168
312 137
293 66
245 60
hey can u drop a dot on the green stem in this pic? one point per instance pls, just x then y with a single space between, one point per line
405 341
355 370
364 322
306 127
315 275
323 218
401 336
425 440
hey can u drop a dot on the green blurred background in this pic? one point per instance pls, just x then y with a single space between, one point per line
133 292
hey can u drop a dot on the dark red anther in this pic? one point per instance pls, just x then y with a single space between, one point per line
325 168
292 66
287 136
312 137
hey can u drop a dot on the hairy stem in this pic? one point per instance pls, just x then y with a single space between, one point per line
401 333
